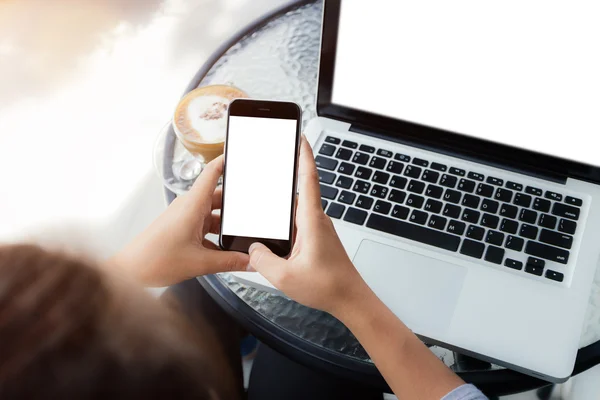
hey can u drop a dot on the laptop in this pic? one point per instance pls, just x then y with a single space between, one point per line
457 151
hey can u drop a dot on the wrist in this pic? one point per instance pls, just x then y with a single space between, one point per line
354 303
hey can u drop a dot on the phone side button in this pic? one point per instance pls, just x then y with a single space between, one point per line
335 210
355 216
328 192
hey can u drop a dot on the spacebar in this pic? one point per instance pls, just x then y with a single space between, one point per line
414 232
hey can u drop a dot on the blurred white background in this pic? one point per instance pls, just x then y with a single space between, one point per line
85 87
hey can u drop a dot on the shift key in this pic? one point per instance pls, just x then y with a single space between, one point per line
547 252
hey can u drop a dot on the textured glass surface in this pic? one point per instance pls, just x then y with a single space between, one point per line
280 60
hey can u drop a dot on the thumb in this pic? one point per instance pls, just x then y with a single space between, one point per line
264 261
224 261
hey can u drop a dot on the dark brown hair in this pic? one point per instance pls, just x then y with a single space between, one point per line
66 332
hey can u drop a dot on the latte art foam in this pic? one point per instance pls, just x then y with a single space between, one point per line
205 118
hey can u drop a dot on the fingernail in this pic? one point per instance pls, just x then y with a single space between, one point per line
252 247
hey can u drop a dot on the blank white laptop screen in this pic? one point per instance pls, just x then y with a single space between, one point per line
519 72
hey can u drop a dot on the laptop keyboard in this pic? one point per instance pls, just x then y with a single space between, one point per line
460 211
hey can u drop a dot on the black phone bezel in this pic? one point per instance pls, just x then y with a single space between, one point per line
263 109
488 152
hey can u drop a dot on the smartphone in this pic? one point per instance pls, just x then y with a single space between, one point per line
259 181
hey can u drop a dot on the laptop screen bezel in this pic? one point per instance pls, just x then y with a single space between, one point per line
488 152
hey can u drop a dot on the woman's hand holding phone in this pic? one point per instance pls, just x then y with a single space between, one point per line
318 272
173 248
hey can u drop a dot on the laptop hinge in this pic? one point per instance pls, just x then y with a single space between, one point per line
464 154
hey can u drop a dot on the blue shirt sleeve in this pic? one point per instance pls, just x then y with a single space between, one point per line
465 392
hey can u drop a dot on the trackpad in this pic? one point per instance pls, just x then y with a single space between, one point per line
421 290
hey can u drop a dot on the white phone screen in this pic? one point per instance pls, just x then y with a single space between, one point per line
259 177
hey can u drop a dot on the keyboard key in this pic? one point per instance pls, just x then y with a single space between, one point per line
434 191
333 140
397 196
363 173
347 197
495 181
367 149
343 154
547 252
528 231
335 210
415 201
476 176
437 222
439 167
485 190
364 202
528 216
452 196
514 186
382 207
494 237
400 212
414 232
490 221
379 191
402 157
326 163
466 185
533 191
412 171
494 255
323 203
514 243
472 249
573 201
553 196
433 206
508 211
534 270
451 211
556 239
489 206
361 187
523 200
344 182
563 210
418 217
547 221
541 205
349 144
509 226
457 171
536 262
475 232
448 181
346 168
555 276
384 153
471 216
355 216
377 162
326 177
514 264
327 149
503 195
567 226
360 158
328 192
430 176
470 201
420 162
395 167
398 182
456 227
381 177
416 186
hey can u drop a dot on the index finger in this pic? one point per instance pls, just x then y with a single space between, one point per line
207 181
308 178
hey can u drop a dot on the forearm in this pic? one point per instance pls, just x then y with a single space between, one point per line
408 366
